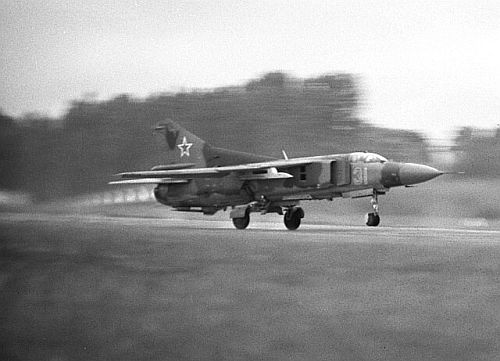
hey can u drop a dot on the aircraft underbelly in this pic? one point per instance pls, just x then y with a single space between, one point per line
297 193
308 193
203 193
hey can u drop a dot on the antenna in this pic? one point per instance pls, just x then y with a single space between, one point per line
284 154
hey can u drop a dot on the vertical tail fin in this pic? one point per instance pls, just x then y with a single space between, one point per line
183 146
187 150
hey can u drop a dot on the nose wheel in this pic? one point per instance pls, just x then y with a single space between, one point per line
373 218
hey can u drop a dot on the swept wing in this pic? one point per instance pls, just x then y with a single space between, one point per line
169 176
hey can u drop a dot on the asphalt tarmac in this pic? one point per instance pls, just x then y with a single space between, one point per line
89 287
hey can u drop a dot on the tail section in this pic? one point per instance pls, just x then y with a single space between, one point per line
184 148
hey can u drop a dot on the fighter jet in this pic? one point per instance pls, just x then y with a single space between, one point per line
198 177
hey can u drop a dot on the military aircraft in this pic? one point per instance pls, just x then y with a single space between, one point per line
201 178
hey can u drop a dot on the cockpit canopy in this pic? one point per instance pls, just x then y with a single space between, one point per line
362 157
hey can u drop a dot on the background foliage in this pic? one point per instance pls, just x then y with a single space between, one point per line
77 154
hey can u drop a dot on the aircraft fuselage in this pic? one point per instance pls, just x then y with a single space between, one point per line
349 175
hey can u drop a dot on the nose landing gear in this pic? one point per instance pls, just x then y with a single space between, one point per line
373 218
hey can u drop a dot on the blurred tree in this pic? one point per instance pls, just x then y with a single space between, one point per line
273 80
100 138
10 153
478 152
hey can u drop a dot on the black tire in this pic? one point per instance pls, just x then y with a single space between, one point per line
372 220
243 222
292 219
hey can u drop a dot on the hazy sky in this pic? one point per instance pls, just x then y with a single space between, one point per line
426 65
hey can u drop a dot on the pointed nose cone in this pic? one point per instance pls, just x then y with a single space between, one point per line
411 173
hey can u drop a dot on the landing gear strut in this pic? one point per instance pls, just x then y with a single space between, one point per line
373 219
292 218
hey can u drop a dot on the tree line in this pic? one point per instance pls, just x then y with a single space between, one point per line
79 153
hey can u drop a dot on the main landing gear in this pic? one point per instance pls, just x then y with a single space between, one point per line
373 218
242 222
292 217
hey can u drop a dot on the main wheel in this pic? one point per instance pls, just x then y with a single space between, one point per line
292 218
242 223
372 220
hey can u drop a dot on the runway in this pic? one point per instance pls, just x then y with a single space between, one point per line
94 286
309 232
